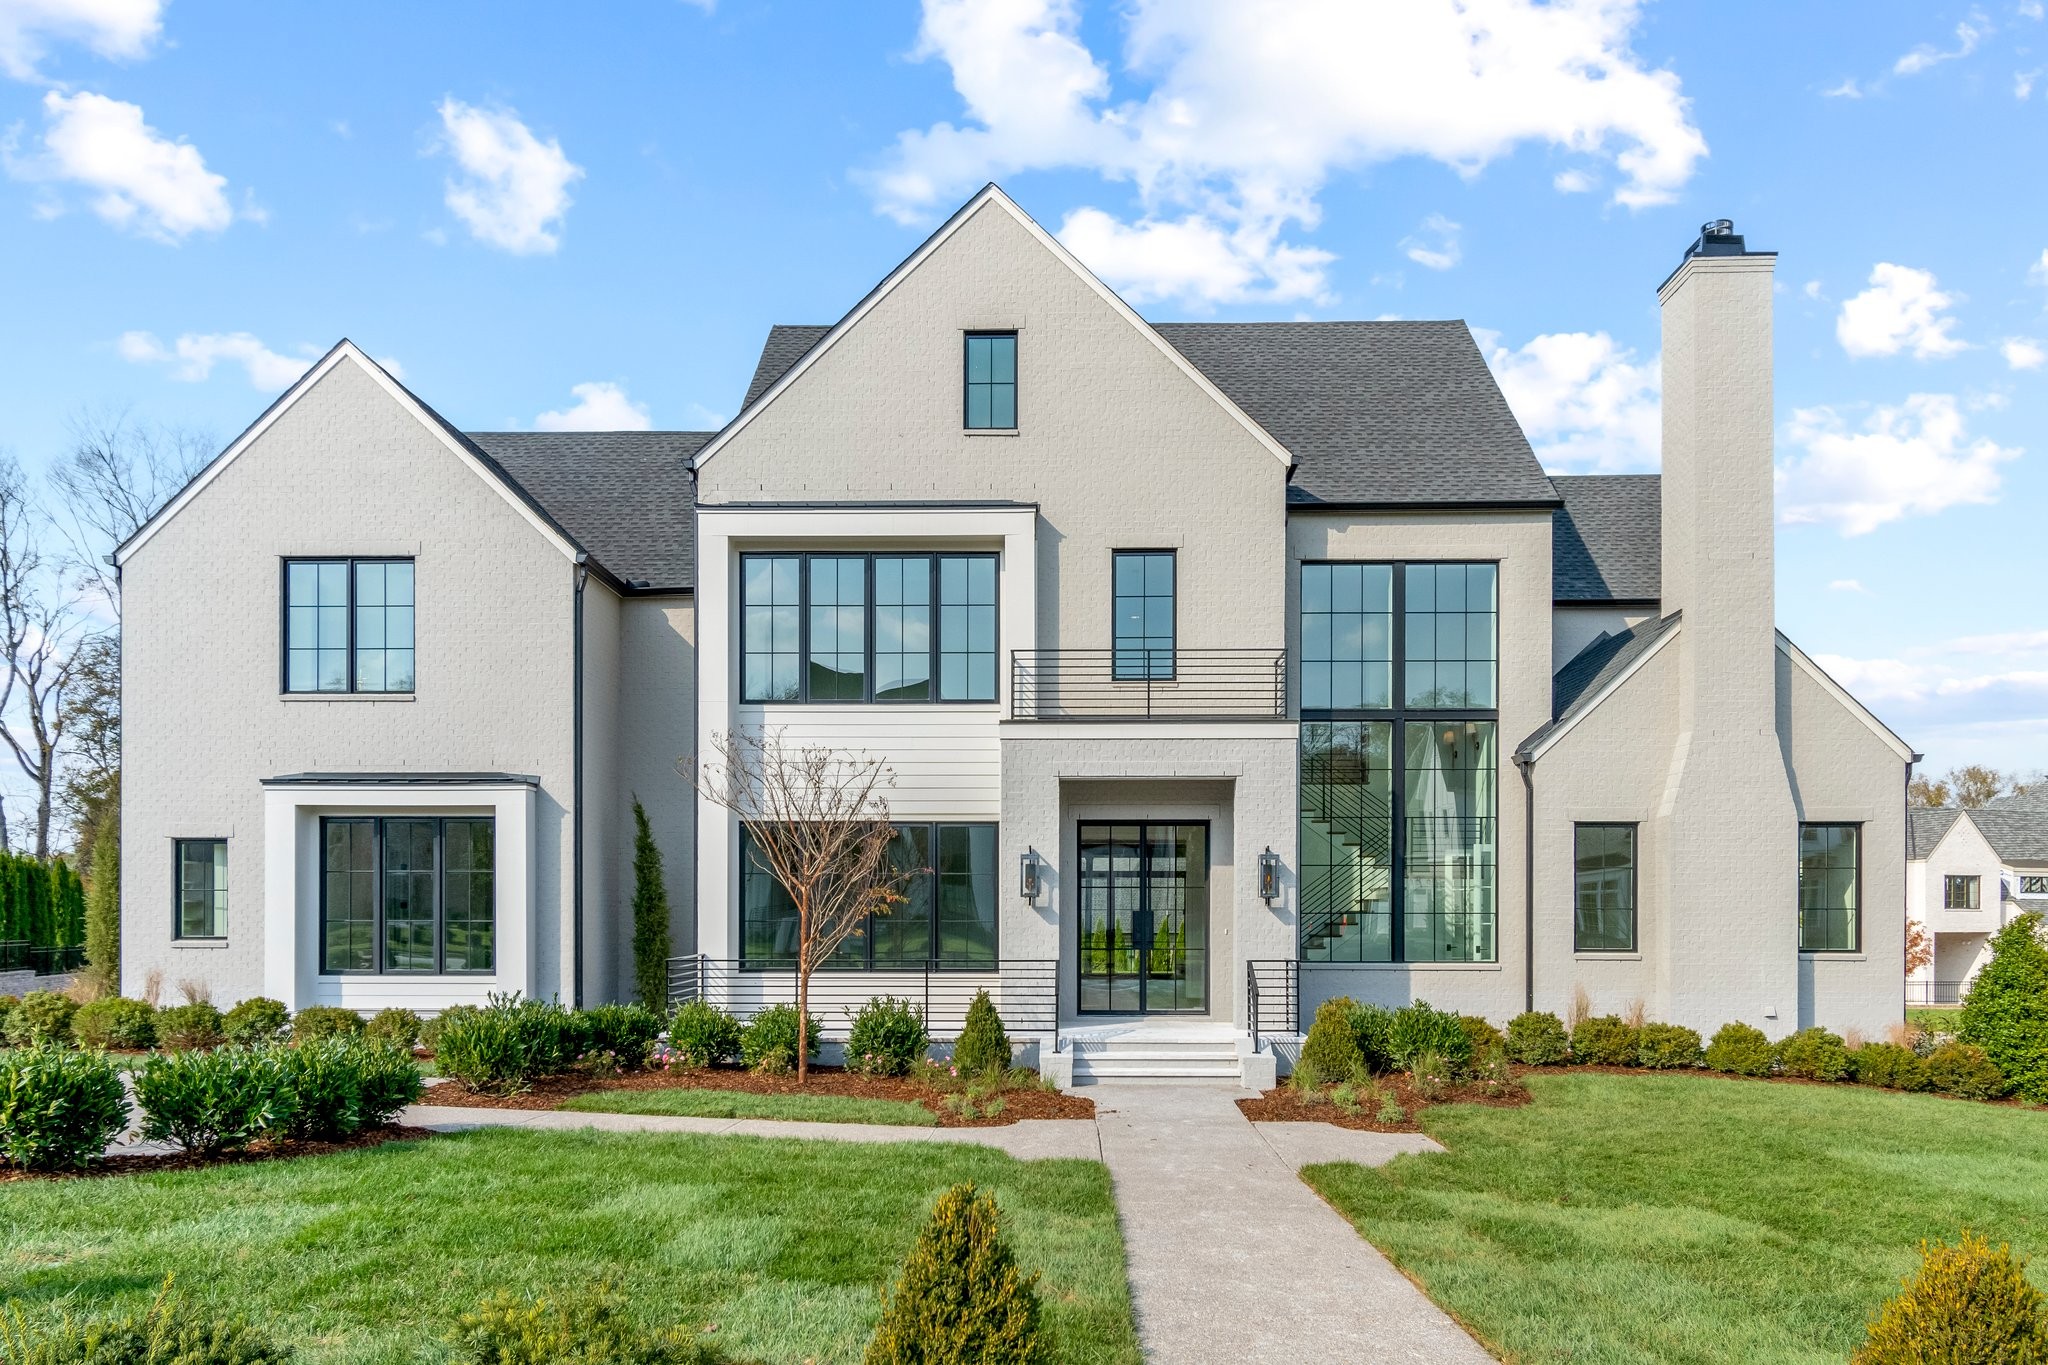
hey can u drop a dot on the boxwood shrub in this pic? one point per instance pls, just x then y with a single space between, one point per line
58 1108
1964 1071
627 1032
258 1019
215 1101
769 1041
41 1017
888 1038
1481 1037
1667 1047
1421 1027
982 1049
1330 1054
1373 1026
1740 1050
1967 1303
509 1045
115 1021
1888 1065
1812 1054
336 1087
186 1028
398 1027
702 1035
1538 1039
324 1021
168 1332
1604 1040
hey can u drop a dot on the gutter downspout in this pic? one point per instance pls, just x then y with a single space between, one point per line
1527 765
576 786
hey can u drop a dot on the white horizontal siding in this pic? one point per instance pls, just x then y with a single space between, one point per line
947 760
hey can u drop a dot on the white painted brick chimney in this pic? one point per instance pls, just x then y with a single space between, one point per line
1728 820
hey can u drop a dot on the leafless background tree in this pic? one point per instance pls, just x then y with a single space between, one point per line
1972 786
39 631
820 826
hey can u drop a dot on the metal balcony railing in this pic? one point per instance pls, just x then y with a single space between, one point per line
1935 992
1272 988
1123 684
1025 993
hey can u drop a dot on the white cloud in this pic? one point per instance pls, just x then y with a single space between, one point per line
599 407
1573 182
1848 585
2037 273
1847 90
2023 353
122 30
1812 290
1435 243
2023 83
1195 259
1913 459
1586 403
141 181
514 188
1253 104
1902 310
194 355
1969 33
2031 9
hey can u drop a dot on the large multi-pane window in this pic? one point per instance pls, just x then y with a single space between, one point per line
348 625
947 918
1830 888
407 894
991 388
883 628
1400 763
202 888
1604 888
1962 893
1141 608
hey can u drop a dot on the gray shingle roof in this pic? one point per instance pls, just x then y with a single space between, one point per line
1373 412
624 496
2019 834
1607 538
1576 685
1927 826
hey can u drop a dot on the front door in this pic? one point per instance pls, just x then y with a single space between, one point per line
1144 918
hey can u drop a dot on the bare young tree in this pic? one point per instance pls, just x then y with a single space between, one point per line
118 473
820 826
39 632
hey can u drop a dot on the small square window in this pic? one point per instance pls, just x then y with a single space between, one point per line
1962 893
991 387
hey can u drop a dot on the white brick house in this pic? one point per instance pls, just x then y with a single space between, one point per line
1222 668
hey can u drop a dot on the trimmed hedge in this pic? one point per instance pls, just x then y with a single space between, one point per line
1373 1026
1420 1028
704 1036
1330 1054
1812 1054
210 1102
626 1032
888 1038
58 1108
397 1027
1537 1038
769 1042
185 1028
258 1019
510 1044
1889 1066
115 1021
1740 1050
41 1017
325 1021
334 1088
1667 1047
1964 1071
1604 1040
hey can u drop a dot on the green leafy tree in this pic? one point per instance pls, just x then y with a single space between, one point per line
2006 1010
650 915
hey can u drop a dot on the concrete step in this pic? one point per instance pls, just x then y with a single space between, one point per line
1128 1068
1154 1047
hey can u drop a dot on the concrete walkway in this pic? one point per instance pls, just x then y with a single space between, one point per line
1232 1258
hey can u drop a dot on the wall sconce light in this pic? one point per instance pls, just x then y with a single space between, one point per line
1269 875
1027 874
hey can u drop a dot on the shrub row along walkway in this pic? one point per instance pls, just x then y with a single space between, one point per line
1231 1257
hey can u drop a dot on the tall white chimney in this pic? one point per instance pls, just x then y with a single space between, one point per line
1728 823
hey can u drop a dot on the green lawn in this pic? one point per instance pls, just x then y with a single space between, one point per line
369 1256
1935 1018
1687 1219
741 1104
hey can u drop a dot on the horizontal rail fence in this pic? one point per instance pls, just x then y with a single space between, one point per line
21 956
1272 996
1186 684
1025 993
1935 992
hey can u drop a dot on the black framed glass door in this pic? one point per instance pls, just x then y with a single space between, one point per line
1144 929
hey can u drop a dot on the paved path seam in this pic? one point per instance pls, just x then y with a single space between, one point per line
1232 1257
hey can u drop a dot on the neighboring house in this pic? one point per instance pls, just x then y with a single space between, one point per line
1222 668
1969 872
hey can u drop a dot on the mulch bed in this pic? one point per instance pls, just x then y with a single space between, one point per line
284 1150
1284 1104
1023 1103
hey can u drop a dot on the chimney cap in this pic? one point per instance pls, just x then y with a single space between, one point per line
1718 237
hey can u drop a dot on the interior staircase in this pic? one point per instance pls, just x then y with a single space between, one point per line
1359 830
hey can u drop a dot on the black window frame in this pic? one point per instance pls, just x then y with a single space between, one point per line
377 823
2039 887
1399 715
178 934
1856 914
1635 873
284 626
1951 881
838 963
1016 378
936 632
1149 673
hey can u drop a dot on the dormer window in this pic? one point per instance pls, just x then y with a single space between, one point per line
991 385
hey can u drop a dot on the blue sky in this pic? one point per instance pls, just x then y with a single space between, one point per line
592 214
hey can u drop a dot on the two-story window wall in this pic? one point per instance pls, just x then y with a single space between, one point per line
1399 762
867 627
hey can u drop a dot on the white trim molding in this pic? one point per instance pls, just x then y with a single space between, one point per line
291 890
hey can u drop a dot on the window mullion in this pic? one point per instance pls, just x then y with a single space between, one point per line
803 628
1397 760
867 631
440 902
